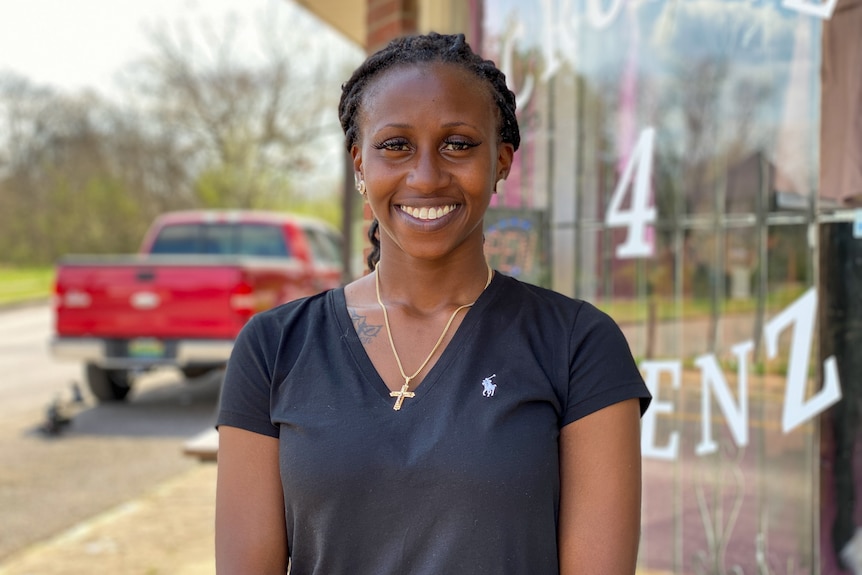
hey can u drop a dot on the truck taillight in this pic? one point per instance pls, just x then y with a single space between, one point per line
242 298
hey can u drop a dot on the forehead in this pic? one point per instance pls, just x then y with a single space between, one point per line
428 87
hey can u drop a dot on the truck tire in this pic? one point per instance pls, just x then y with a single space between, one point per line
108 385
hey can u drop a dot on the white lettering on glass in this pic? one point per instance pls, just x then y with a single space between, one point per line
601 18
522 96
561 21
557 39
640 212
736 414
817 8
800 315
652 376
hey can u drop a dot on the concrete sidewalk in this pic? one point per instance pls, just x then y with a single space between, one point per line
168 530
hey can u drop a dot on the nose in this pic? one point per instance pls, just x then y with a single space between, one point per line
428 173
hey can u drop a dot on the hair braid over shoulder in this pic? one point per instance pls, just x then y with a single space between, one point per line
428 48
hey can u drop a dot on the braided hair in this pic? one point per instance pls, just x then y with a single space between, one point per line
433 47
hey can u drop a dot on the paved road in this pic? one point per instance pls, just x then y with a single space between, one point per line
107 456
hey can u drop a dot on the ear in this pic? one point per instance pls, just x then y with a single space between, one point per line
505 155
356 154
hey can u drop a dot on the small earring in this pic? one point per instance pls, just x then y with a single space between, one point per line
360 187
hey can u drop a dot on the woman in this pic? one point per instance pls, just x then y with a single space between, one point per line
432 416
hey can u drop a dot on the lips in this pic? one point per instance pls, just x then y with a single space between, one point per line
427 214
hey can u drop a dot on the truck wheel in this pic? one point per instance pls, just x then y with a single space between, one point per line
108 384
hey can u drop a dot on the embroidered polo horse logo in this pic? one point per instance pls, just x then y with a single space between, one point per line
490 388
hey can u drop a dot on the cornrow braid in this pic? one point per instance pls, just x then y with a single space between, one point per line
374 238
432 47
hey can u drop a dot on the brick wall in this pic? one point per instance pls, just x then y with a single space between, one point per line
388 19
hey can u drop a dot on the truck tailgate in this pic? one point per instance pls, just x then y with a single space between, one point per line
165 297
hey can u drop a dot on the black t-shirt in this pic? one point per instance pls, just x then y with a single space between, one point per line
465 477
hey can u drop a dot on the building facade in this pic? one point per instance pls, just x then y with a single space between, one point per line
694 167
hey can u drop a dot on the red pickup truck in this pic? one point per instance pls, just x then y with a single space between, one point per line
181 301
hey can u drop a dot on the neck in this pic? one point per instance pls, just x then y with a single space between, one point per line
428 289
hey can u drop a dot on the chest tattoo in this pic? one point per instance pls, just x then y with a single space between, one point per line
366 332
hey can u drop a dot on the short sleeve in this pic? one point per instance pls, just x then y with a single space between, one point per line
246 391
602 370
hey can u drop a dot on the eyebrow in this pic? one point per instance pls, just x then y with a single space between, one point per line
459 123
455 124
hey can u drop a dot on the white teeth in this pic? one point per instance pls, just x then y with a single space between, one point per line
428 214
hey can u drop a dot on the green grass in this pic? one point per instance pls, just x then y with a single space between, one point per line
25 284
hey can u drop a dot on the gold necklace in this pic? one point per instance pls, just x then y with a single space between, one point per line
403 392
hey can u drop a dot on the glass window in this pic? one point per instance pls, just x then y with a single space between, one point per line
261 240
179 239
669 172
222 239
325 247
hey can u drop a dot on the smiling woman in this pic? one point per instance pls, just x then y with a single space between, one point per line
495 427
425 168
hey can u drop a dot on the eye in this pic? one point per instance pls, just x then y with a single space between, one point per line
393 145
458 145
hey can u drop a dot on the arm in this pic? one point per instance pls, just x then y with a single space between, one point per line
251 536
600 492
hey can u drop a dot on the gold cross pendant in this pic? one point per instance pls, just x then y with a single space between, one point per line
401 394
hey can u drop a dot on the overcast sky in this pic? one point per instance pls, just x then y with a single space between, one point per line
73 44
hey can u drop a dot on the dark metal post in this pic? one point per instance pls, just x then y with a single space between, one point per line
347 208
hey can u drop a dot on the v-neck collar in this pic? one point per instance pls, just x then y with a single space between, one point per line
459 340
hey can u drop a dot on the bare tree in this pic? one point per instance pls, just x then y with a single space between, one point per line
77 174
249 118
209 122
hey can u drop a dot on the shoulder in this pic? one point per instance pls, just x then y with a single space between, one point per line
271 340
556 321
287 326
306 310
546 305
582 346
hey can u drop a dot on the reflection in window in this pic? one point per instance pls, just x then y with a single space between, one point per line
731 89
